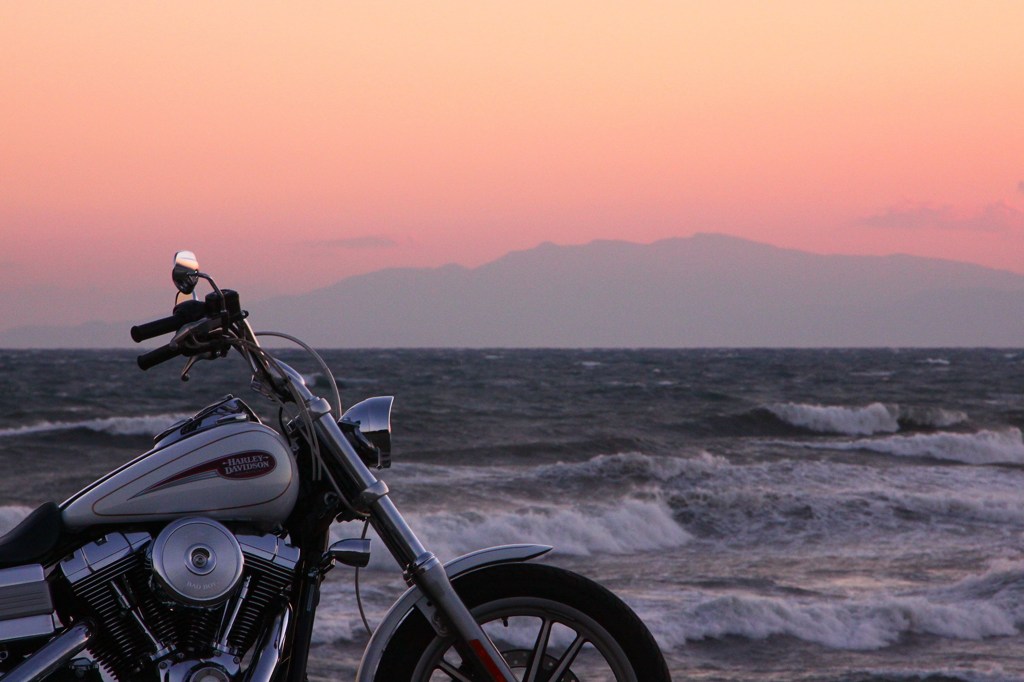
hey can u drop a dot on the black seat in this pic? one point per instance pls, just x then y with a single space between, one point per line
32 539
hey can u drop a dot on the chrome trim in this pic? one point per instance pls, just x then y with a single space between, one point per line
270 650
412 597
25 602
373 417
26 627
270 548
52 655
135 612
225 628
96 556
350 552
16 575
372 494
185 273
502 554
173 557
224 663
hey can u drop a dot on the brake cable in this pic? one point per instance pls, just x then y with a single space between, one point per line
359 599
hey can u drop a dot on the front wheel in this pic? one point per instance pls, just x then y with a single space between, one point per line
551 625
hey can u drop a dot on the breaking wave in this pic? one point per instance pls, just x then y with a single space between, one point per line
838 624
115 426
852 421
982 447
624 466
971 609
631 525
11 516
868 420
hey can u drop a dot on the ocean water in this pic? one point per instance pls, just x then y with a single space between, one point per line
772 515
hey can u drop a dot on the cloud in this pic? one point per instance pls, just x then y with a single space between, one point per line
997 217
357 243
1020 186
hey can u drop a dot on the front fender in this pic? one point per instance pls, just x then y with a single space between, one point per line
466 563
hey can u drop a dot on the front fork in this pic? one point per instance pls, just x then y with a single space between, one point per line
420 567
427 573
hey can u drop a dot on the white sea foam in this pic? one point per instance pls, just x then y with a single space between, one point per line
146 425
629 525
825 501
851 421
871 622
983 447
975 607
933 417
628 465
11 516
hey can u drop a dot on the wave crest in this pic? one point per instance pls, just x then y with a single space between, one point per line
855 624
982 447
631 525
146 425
11 516
868 420
850 421
629 466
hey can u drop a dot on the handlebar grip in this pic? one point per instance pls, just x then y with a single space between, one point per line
148 330
155 357
186 312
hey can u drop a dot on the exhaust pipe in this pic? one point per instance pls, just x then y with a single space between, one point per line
268 653
52 655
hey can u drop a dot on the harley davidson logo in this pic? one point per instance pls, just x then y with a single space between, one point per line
250 465
238 467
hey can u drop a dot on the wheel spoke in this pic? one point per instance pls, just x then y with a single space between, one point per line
452 672
567 658
537 655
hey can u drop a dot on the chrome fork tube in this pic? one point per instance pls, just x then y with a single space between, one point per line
419 566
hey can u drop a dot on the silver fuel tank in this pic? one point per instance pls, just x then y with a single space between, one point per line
222 464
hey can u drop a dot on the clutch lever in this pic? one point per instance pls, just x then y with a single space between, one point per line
184 334
188 367
189 341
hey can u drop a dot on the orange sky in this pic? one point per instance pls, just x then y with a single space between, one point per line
293 144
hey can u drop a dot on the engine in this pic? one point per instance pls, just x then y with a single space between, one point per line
189 602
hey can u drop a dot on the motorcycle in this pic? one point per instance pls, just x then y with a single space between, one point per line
202 559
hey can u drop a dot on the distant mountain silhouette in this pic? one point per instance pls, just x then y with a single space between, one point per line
706 290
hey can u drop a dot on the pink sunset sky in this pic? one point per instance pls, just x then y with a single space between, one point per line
293 144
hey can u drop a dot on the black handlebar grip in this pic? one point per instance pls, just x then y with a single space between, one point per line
155 357
148 330
188 311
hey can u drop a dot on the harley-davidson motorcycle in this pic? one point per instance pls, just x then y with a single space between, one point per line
202 559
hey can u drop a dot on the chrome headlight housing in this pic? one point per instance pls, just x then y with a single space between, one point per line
368 427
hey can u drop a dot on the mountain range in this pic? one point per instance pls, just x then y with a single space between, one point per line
707 290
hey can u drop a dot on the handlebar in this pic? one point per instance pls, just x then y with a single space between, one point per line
195 321
186 312
155 357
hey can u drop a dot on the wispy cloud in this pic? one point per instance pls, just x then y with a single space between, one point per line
1020 186
996 217
357 243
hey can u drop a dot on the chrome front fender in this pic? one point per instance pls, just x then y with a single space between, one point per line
413 598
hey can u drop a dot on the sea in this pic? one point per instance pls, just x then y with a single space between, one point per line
832 515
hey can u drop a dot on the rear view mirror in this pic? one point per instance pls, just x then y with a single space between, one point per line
186 271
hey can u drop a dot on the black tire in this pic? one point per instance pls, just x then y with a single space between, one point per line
517 601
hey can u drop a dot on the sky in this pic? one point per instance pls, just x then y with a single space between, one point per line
291 145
